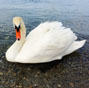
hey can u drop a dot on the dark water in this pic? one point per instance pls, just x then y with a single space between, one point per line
72 71
73 14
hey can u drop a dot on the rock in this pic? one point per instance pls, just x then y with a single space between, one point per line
59 86
71 84
1 73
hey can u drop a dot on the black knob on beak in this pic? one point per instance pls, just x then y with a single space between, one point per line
17 28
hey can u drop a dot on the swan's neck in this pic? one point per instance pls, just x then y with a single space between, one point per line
15 49
23 32
19 44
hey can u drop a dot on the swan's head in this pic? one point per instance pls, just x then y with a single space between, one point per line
17 22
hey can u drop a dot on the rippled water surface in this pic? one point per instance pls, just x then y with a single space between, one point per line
73 14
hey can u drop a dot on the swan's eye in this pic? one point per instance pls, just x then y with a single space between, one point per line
15 27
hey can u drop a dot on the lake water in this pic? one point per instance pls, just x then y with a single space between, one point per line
72 70
73 14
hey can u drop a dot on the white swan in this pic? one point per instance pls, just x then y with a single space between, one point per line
47 42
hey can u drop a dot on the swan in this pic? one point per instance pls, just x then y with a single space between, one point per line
47 42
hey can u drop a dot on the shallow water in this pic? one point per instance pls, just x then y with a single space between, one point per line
72 70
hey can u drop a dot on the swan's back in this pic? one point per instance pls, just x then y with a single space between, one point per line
47 42
42 29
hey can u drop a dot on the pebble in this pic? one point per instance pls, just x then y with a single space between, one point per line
19 86
71 84
1 73
59 86
7 37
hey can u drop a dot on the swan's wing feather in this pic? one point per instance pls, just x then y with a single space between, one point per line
55 43
43 28
46 47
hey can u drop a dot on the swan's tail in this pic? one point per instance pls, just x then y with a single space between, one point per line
76 45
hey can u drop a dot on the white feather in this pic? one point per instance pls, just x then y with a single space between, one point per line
47 42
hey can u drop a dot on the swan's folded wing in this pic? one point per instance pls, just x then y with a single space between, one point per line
53 44
43 28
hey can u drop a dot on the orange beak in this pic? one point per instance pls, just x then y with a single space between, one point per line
18 34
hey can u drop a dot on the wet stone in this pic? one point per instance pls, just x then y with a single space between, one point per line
71 84
59 86
1 73
7 37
